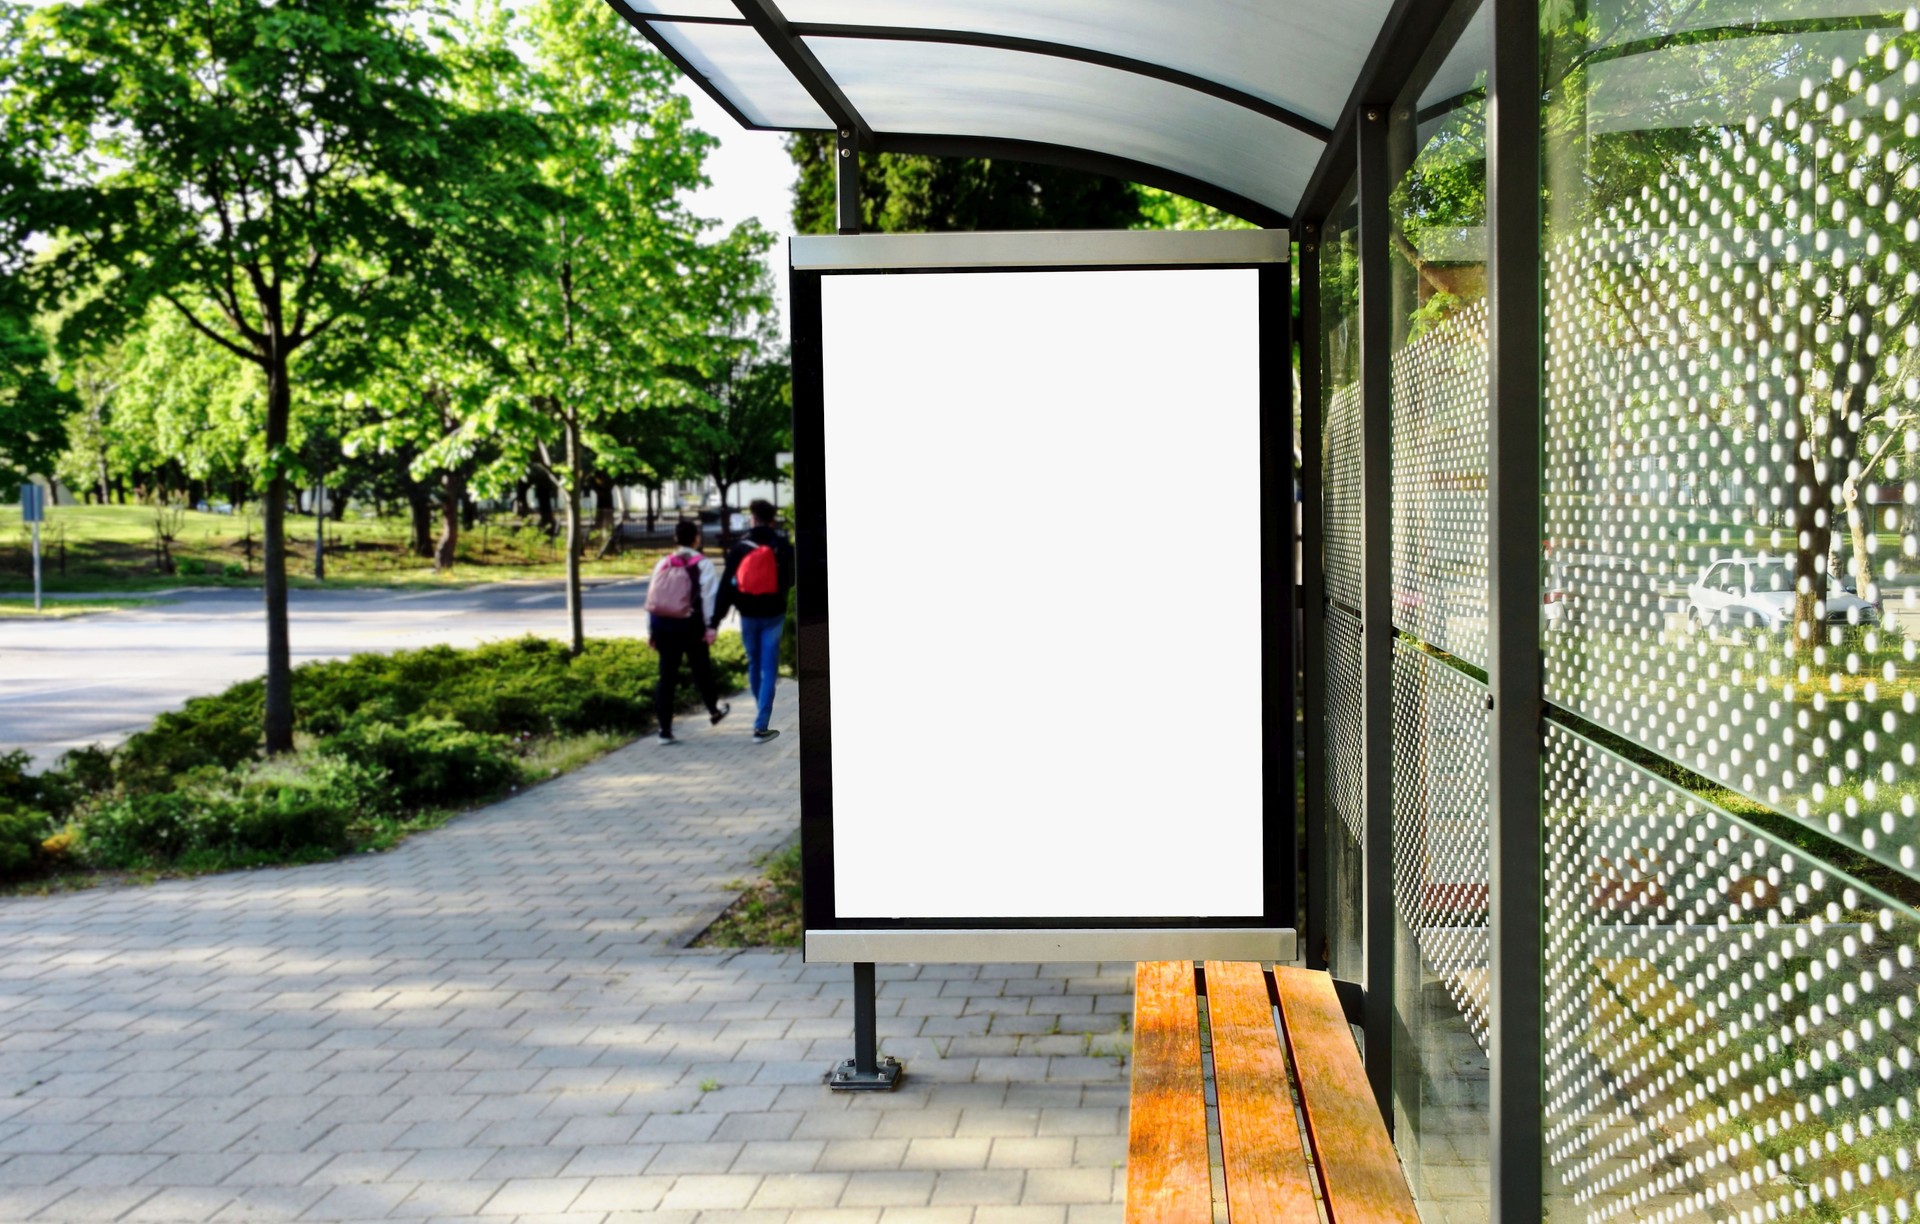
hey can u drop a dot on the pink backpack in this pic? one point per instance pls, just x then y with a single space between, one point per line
670 594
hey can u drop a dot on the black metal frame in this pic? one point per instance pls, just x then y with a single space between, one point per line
1514 462
813 546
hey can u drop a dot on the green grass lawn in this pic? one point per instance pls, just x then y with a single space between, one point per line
114 548
15 608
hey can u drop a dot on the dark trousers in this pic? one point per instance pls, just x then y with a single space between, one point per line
673 642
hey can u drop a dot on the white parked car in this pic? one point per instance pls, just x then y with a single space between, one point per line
1758 593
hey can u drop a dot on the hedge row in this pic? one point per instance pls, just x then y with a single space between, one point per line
381 737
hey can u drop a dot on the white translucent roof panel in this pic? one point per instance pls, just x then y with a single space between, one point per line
683 8
746 71
951 90
1300 54
1465 67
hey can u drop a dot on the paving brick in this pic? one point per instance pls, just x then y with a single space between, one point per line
489 1023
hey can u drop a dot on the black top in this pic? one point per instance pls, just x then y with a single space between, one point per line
755 605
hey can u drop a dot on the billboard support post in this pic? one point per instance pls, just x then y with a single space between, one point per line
865 1071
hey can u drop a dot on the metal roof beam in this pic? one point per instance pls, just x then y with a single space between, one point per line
767 20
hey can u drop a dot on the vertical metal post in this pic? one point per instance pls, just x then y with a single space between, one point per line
1376 596
846 182
866 1071
1313 600
866 1037
1513 659
36 565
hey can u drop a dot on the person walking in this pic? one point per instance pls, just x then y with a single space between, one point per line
680 602
759 576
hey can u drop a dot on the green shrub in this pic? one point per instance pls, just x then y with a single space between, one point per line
130 830
233 569
222 730
191 567
22 829
282 805
429 760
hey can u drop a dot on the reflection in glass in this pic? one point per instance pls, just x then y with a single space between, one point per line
1732 360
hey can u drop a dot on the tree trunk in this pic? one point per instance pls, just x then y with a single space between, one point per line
576 629
1814 531
602 501
319 533
453 491
543 500
469 509
653 507
420 511
726 517
337 508
279 697
520 508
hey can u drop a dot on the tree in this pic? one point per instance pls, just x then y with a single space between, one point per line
747 421
908 193
621 291
33 408
268 171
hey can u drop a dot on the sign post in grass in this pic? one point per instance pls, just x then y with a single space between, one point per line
33 509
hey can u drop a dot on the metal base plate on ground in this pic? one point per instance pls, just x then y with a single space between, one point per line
846 1077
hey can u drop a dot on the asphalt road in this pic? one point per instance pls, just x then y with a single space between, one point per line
97 679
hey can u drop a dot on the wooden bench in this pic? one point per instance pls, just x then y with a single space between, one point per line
1266 1171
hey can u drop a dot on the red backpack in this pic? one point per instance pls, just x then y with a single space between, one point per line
759 572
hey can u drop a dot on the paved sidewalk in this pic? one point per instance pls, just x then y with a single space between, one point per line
496 1022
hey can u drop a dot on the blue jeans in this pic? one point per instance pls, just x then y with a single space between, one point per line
761 634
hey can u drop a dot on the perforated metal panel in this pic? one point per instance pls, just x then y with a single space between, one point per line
1340 407
1440 770
1346 789
1439 404
1733 366
1731 1029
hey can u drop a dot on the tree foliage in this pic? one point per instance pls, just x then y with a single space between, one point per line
269 172
908 193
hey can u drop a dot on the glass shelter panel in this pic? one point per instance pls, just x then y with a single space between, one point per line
1437 448
1731 1029
1733 402
1441 1074
1346 794
1731 289
1340 403
1344 807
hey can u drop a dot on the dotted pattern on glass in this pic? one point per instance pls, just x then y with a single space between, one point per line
1731 1029
1440 734
1346 757
1341 495
1733 366
1439 406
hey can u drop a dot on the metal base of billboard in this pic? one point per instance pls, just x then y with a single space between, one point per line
848 1077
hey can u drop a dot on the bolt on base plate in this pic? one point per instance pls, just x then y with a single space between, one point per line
847 1077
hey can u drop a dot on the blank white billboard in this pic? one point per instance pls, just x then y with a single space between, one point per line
1046 692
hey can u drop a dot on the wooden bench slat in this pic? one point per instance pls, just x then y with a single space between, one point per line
1167 1177
1359 1170
1266 1167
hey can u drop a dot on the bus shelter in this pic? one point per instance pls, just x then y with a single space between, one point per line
1608 419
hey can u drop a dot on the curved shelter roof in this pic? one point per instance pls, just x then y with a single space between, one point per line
1232 102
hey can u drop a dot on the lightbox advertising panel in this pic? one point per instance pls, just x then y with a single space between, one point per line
1044 514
